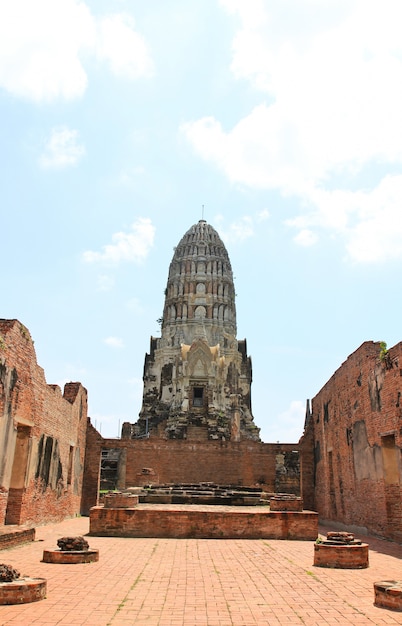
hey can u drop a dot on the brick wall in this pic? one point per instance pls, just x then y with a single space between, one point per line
237 523
16 538
239 463
307 468
355 431
42 436
90 485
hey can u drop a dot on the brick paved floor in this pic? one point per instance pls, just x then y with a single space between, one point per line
169 582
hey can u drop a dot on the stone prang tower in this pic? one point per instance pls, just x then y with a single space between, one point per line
197 375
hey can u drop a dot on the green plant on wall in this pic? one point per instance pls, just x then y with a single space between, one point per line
383 350
384 355
3 344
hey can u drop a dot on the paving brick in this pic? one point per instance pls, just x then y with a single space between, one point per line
182 582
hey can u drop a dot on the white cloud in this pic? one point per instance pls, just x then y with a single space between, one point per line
263 215
305 238
133 246
105 282
129 176
114 342
237 231
62 149
123 48
330 107
44 45
368 221
377 234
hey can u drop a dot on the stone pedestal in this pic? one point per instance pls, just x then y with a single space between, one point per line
388 594
22 590
286 503
341 550
70 556
120 500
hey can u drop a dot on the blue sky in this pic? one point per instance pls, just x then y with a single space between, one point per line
120 119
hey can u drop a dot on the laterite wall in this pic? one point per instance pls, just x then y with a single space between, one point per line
42 436
354 430
178 461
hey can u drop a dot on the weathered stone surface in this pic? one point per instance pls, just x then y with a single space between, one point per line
23 591
8 573
72 544
341 537
70 556
341 555
286 502
197 375
351 448
202 522
121 500
42 436
388 594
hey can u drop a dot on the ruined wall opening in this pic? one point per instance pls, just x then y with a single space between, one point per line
109 470
49 470
392 484
70 465
18 475
198 396
390 460
332 496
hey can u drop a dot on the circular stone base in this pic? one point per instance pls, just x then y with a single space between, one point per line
22 591
342 557
121 500
388 594
70 556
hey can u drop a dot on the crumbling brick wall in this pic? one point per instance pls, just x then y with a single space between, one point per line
90 486
355 433
273 466
42 436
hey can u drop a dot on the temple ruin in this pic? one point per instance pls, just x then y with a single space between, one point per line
197 375
196 423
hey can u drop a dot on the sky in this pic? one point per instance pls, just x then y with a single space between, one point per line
121 119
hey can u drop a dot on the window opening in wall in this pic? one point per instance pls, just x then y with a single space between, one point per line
18 476
198 396
109 471
70 465
390 459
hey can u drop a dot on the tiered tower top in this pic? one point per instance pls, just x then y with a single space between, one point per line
200 295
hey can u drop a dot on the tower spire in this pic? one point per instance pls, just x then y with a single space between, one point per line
197 375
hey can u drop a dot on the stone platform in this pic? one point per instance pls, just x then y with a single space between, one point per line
341 550
22 591
198 493
70 556
388 594
342 557
202 522
11 536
